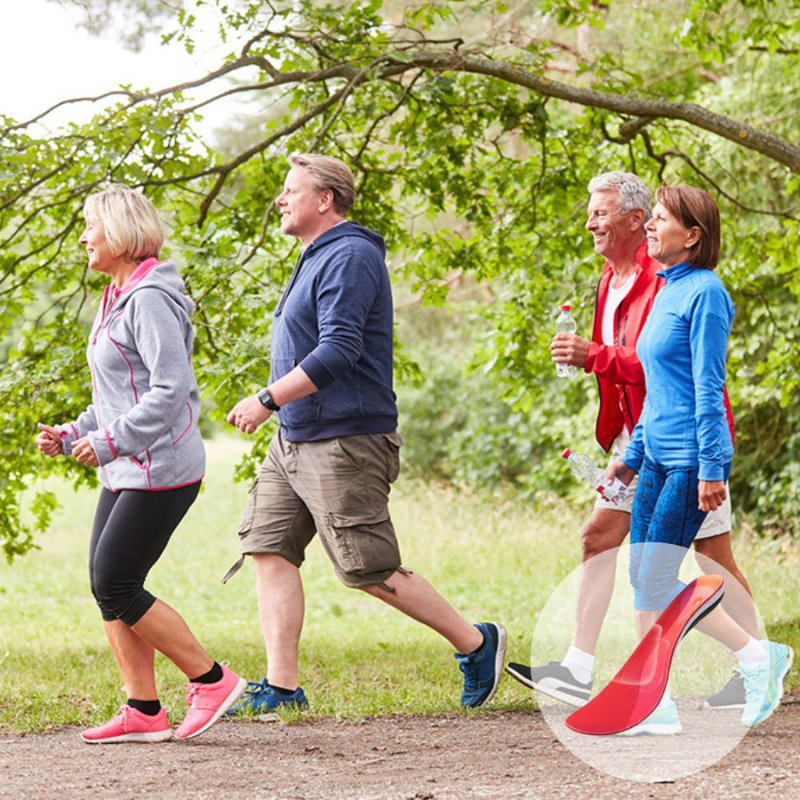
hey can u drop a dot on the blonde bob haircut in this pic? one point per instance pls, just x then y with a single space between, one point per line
129 220
329 174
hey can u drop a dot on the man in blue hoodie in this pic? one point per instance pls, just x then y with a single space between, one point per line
330 466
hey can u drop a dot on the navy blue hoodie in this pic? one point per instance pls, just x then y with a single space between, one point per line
335 320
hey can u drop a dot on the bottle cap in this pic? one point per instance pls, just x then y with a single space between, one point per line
567 453
565 307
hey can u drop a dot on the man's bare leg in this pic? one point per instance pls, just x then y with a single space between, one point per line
281 610
603 532
416 598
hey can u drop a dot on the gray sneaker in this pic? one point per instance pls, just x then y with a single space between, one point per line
554 680
730 696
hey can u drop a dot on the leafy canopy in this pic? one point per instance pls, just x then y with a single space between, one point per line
473 129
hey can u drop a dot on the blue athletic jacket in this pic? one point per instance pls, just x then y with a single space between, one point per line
335 320
682 348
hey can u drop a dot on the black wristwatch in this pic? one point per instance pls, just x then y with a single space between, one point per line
267 400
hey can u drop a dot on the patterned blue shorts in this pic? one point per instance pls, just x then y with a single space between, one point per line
665 512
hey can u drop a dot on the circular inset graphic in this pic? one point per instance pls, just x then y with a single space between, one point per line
592 610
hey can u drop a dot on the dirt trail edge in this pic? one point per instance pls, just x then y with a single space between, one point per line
505 754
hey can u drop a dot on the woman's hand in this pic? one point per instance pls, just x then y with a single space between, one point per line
84 453
49 441
619 469
710 495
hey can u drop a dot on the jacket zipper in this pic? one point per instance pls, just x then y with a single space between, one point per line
292 281
622 338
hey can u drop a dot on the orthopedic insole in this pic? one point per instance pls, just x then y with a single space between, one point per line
638 687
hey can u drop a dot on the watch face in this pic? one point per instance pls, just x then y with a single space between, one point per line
267 401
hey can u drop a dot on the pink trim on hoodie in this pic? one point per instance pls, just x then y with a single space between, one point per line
125 358
110 444
139 274
144 467
179 486
162 488
187 428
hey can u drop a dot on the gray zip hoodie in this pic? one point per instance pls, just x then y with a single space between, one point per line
142 423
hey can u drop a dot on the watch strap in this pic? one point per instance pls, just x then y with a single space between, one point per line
267 400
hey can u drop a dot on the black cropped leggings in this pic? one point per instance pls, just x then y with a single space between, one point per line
131 531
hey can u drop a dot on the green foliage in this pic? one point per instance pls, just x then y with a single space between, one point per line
457 428
466 173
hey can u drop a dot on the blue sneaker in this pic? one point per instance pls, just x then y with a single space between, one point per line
763 683
664 721
483 668
261 697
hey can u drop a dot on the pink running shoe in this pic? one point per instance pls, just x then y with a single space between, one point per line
208 702
130 725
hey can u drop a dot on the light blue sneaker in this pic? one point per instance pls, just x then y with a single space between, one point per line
483 668
664 721
261 697
763 683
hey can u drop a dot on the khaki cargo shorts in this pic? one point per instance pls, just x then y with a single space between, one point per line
338 488
715 523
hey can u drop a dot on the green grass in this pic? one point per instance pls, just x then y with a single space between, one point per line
496 560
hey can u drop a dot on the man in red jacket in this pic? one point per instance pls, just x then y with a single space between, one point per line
619 206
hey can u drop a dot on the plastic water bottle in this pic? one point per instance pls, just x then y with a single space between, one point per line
583 467
565 324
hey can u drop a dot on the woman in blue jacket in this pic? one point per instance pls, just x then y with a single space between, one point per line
682 446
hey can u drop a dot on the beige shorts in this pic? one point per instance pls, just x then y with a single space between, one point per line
715 523
338 488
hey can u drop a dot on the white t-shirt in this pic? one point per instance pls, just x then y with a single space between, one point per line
613 299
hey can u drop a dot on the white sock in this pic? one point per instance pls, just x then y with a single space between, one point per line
752 653
580 664
665 699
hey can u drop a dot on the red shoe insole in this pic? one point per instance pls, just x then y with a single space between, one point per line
638 687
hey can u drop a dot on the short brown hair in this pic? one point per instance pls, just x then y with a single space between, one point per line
130 222
694 208
328 173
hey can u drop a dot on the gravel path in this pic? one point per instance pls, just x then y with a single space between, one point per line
495 754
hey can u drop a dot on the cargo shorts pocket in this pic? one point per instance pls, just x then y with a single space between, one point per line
246 522
363 541
394 442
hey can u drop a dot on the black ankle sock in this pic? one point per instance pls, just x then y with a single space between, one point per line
281 690
214 675
149 707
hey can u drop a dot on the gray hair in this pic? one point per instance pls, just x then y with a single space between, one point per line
131 225
331 174
631 190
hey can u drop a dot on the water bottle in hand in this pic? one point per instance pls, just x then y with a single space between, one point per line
583 467
565 324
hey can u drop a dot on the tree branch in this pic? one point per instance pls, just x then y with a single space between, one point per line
739 133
